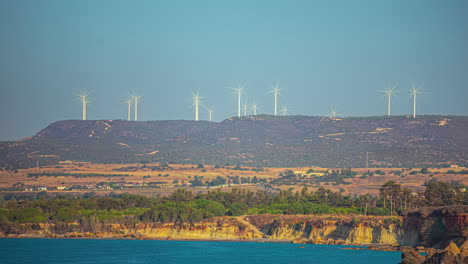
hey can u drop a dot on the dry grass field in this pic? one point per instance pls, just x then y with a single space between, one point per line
414 182
145 180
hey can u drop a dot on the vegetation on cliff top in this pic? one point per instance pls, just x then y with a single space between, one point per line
183 206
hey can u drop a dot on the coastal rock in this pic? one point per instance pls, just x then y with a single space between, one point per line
452 247
435 226
411 257
445 257
452 254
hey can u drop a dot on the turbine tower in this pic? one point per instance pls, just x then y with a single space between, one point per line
255 108
245 107
210 113
83 97
389 93
129 103
276 92
284 110
414 92
239 89
136 98
196 102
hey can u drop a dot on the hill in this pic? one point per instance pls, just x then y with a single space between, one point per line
263 140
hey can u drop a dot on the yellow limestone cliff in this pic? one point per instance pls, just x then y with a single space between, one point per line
431 227
302 228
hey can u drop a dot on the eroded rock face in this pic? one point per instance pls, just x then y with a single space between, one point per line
330 229
436 227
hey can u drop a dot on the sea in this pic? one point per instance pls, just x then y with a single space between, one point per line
94 251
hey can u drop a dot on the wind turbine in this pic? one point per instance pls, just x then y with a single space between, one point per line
196 102
389 92
239 89
136 98
255 108
276 91
245 107
284 110
129 102
210 113
414 92
333 113
83 97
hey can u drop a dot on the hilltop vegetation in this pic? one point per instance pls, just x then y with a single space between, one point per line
260 141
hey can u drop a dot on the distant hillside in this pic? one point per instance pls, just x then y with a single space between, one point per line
256 141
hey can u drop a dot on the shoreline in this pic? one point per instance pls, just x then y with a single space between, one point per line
132 237
351 246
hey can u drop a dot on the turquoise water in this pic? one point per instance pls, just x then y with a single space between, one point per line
140 251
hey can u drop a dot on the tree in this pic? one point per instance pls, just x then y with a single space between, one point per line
237 209
379 172
218 181
390 192
210 208
441 193
181 195
196 182
255 179
424 171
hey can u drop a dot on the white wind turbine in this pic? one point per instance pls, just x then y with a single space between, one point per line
333 113
276 91
239 89
210 113
84 99
129 103
136 99
196 99
245 107
284 110
414 93
255 108
389 93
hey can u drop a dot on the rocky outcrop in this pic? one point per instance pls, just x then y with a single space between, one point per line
411 257
435 227
450 255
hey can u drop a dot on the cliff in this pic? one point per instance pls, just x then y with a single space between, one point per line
330 229
219 228
296 228
429 227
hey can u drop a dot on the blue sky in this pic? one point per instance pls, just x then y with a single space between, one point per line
322 53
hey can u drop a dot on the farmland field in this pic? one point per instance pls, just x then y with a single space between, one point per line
163 179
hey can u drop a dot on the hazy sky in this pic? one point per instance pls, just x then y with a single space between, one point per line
323 53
